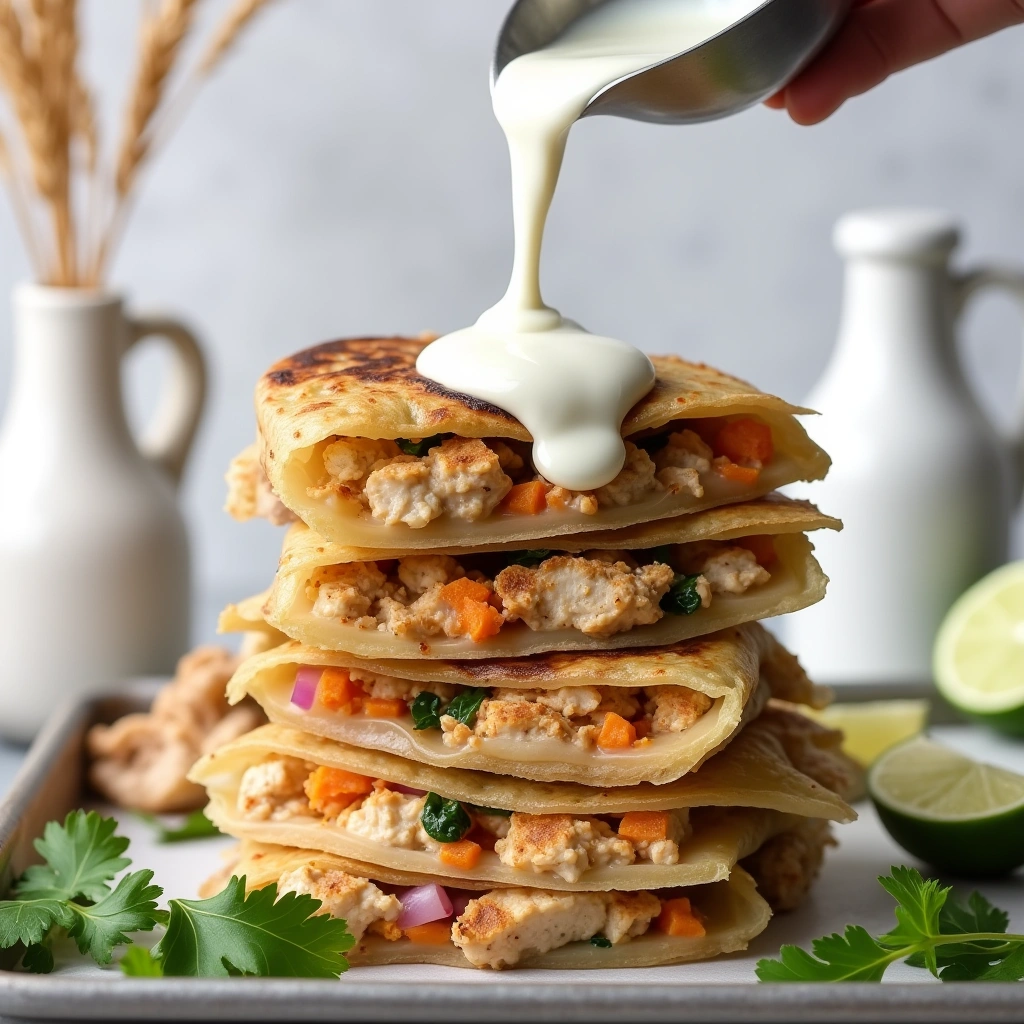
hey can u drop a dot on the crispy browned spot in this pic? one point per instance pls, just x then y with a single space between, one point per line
533 830
369 363
482 918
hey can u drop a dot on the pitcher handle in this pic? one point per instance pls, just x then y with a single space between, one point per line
167 438
1011 281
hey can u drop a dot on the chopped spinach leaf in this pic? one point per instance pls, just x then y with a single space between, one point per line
531 558
422 446
465 706
426 711
662 554
444 820
682 597
493 811
600 941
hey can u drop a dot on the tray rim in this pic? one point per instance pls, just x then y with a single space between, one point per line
115 998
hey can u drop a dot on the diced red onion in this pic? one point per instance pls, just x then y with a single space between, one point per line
399 788
460 900
307 679
423 904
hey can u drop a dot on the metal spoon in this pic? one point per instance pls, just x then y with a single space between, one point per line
742 65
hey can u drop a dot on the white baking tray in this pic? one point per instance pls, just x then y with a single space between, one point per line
52 781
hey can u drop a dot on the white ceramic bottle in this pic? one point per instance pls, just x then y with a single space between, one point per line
94 560
920 478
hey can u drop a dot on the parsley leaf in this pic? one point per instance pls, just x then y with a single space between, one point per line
465 706
258 934
422 446
101 926
444 820
531 558
81 856
139 962
1010 968
29 921
196 826
854 956
965 961
601 941
682 597
426 710
955 942
38 958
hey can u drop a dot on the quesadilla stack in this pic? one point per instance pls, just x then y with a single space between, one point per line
513 724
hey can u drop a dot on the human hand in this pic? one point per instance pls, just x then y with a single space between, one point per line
881 37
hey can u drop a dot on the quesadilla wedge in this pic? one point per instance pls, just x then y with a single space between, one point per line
612 718
653 584
281 786
355 443
500 927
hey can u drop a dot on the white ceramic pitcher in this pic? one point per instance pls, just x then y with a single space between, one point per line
94 559
919 476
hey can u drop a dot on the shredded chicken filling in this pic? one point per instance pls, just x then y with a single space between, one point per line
284 788
570 714
500 928
418 480
600 593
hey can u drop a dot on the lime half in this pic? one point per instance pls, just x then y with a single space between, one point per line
979 653
872 727
947 810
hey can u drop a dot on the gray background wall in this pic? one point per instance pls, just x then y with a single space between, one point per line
342 174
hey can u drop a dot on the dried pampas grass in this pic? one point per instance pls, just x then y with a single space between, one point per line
58 138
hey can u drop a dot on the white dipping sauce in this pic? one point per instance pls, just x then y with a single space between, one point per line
571 389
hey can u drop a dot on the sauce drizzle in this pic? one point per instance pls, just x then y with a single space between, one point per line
571 389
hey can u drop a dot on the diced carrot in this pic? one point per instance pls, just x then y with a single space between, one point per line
525 499
643 728
337 691
616 733
644 826
678 918
464 854
480 621
761 546
745 440
330 790
457 591
733 471
434 933
385 707
475 616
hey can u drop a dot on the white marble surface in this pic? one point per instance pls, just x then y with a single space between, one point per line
343 174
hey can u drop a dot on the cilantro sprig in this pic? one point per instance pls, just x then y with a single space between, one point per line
953 940
230 933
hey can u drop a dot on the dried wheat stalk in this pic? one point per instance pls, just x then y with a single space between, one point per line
22 214
53 107
161 38
229 30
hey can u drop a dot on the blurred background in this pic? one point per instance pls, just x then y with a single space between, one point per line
343 175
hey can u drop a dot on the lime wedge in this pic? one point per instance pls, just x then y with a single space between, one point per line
949 811
872 727
979 653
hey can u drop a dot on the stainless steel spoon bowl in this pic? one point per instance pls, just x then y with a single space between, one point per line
742 65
